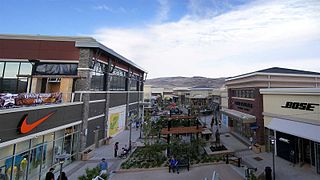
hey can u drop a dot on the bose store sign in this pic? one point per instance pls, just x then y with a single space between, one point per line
300 105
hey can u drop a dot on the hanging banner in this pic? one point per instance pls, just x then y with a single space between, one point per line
116 120
114 123
8 100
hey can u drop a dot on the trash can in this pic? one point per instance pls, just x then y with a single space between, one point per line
268 172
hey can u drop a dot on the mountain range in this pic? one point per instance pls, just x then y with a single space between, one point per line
196 81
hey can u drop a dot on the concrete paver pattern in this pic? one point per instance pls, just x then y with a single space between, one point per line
196 173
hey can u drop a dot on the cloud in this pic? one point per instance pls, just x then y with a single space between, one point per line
254 36
163 11
104 7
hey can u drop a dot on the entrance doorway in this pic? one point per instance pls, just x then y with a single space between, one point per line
306 151
317 147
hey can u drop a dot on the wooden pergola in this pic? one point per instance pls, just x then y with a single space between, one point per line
169 130
182 130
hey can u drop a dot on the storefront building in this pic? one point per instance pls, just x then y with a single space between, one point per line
292 117
224 105
245 104
27 151
105 89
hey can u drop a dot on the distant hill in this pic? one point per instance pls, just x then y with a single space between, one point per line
172 82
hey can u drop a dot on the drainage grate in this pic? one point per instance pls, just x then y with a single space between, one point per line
258 158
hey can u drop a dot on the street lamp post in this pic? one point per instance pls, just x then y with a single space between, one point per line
273 153
61 158
130 131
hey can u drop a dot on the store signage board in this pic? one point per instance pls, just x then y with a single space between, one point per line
25 127
300 105
284 140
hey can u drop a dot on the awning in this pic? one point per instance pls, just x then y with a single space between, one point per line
243 117
300 129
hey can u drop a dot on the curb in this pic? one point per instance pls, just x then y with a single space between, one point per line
164 168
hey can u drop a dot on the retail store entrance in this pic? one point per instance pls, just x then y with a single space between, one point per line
298 150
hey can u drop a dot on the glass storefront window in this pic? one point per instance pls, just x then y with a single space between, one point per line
58 144
35 157
11 81
11 70
6 151
22 85
67 144
20 165
1 68
5 157
22 146
25 69
5 168
47 159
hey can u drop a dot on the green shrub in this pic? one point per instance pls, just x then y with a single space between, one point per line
92 173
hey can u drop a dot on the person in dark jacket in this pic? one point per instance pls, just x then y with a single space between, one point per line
116 148
62 176
50 175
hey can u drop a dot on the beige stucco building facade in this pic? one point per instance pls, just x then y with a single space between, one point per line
245 104
292 117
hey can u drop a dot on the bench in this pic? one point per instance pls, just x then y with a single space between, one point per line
184 163
181 163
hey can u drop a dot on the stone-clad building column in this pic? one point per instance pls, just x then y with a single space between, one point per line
128 97
108 80
83 83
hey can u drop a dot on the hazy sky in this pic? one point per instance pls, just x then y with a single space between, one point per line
211 38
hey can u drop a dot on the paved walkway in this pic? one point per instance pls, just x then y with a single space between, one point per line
196 173
78 168
249 159
261 160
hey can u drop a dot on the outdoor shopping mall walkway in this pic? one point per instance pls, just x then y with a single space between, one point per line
77 168
250 158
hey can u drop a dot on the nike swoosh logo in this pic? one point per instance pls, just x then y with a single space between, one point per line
25 127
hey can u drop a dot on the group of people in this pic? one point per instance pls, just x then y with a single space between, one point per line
50 175
124 152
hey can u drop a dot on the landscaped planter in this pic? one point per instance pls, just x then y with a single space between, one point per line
87 154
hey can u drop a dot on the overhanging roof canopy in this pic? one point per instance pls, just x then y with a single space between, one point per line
300 129
243 117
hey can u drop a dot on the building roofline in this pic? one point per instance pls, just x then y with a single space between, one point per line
80 41
277 71
276 74
295 91
45 37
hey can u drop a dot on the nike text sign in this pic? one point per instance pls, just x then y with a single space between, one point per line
25 127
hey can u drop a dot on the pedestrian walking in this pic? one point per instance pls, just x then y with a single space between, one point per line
251 142
62 176
103 166
50 175
292 157
137 125
116 148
